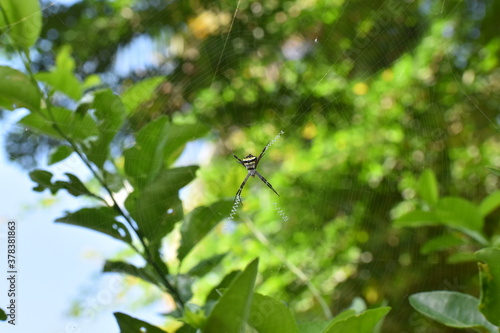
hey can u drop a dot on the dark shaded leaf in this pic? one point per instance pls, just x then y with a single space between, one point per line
157 207
155 143
60 153
183 284
199 222
113 180
3 315
70 123
145 273
206 265
43 178
133 325
101 219
74 186
110 113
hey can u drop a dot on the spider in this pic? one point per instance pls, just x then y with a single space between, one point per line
250 162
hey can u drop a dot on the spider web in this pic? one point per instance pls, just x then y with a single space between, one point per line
265 224
309 43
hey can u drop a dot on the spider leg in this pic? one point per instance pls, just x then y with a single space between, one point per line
261 155
240 161
266 182
238 194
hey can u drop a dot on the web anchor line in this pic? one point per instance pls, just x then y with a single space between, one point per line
235 208
274 140
280 212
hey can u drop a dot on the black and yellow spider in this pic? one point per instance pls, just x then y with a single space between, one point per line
251 162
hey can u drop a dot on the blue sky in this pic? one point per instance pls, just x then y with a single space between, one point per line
57 264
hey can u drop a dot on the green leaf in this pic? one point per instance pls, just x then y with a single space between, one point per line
17 90
110 114
60 153
178 136
155 143
461 257
145 273
428 187
70 123
140 92
100 219
214 294
312 326
417 218
145 159
360 323
194 315
463 215
157 207
43 178
3 315
206 265
24 21
490 203
451 308
113 180
458 212
489 275
343 315
187 329
494 171
74 186
199 222
440 243
268 315
184 285
233 309
61 77
133 325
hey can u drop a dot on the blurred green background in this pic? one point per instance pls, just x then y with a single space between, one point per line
368 94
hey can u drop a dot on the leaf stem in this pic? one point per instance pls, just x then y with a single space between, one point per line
147 253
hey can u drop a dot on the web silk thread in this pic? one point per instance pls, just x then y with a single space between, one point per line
235 208
274 140
281 212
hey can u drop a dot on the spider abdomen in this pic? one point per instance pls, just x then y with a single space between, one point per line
249 162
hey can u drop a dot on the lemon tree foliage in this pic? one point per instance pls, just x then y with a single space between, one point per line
390 114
